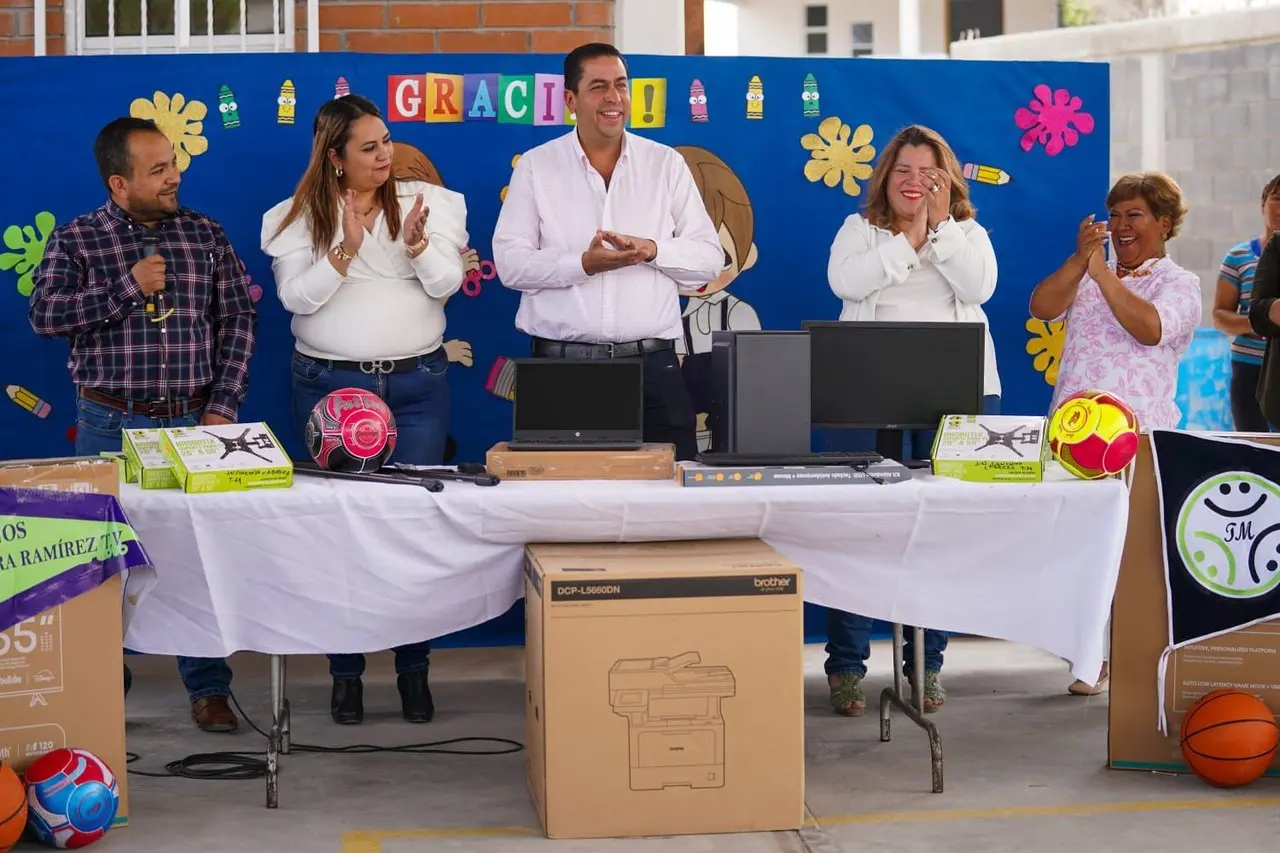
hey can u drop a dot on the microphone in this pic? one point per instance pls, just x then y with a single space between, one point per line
151 247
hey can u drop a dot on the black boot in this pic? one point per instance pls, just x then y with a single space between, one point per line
346 706
415 697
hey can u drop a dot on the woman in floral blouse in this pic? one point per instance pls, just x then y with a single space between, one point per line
1129 321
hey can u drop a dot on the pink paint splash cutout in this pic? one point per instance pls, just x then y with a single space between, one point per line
1055 120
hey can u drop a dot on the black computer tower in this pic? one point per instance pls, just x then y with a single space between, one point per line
760 393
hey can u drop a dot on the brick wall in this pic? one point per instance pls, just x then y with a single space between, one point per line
17 27
449 26
395 26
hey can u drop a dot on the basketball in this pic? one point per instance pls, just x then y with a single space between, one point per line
351 430
13 808
1229 738
1093 434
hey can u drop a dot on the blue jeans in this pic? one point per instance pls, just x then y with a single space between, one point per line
419 400
98 430
848 634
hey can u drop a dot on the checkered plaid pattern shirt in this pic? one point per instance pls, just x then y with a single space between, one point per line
85 291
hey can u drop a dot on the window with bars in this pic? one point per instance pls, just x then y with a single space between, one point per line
136 26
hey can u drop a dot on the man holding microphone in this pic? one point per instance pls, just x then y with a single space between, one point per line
156 306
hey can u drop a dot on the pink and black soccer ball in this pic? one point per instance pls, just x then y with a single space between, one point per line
72 798
351 430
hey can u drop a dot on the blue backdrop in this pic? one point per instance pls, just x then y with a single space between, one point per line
797 136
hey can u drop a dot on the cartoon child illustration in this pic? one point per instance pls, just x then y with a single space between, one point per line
711 308
409 163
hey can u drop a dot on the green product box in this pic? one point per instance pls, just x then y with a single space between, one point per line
991 448
227 458
145 462
122 463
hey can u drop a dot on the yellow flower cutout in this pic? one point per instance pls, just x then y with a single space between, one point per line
503 195
179 119
1045 347
839 152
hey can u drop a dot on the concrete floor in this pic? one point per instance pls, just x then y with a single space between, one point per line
1024 772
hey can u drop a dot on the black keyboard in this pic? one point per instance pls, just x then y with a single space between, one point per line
866 457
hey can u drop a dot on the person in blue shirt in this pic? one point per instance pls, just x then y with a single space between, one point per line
1231 315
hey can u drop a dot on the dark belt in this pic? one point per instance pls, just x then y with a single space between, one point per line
158 409
373 366
570 349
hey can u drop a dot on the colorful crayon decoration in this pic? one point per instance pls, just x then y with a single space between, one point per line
228 108
287 103
28 401
341 88
810 97
501 381
755 98
986 174
698 102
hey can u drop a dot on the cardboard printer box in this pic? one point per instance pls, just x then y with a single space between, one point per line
650 462
665 688
1247 660
62 671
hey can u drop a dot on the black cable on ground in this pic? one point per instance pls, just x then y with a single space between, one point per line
239 765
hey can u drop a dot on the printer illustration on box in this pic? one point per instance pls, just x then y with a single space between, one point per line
674 722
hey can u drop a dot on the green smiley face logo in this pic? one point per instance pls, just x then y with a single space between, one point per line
1228 535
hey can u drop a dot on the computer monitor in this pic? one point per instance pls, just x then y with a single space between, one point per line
578 402
892 377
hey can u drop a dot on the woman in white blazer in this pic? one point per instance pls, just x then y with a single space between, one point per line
916 254
365 263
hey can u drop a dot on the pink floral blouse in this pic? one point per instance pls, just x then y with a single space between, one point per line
1099 353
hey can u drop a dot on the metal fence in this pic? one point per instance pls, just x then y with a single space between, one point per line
104 27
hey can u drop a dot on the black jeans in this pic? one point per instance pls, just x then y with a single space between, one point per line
1245 411
668 410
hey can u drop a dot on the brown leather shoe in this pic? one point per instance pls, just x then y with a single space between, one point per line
213 714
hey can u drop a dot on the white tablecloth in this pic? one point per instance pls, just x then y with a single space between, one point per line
337 566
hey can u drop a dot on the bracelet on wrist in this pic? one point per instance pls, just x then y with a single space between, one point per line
342 254
417 248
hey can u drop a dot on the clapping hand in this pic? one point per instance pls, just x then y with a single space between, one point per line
614 253
1089 242
415 225
352 227
647 248
937 196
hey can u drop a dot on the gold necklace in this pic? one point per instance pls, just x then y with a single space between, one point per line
1123 271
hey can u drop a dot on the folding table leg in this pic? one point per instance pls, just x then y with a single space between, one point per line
278 738
915 712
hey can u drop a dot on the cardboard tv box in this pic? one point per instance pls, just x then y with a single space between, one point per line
665 688
1247 660
650 462
62 672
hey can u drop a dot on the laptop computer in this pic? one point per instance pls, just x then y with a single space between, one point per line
578 404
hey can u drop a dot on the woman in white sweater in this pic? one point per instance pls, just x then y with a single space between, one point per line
916 255
365 263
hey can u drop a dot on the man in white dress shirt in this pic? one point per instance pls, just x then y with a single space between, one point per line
599 229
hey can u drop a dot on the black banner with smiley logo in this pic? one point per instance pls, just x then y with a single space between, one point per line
1220 514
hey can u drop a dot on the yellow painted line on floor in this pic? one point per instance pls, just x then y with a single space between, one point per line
370 841
1062 810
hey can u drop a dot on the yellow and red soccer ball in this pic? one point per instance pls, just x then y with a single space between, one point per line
1093 434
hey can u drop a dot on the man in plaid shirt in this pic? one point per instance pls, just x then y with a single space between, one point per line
156 306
